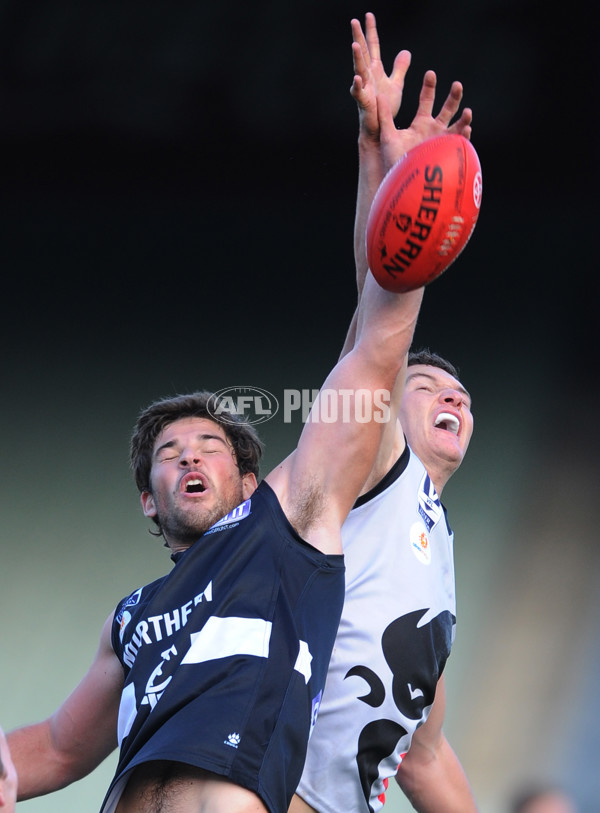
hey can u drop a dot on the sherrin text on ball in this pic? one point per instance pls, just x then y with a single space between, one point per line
424 213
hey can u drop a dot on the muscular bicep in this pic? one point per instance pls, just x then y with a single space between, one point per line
318 484
392 441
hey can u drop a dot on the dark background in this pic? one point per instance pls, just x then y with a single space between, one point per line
177 190
178 180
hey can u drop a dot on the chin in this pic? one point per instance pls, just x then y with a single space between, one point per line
453 455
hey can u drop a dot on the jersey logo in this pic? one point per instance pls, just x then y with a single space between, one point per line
233 739
419 543
133 599
155 689
233 517
123 619
430 507
155 686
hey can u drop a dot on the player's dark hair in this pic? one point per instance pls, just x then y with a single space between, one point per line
426 356
153 419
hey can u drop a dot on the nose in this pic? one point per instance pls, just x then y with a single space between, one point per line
450 396
190 458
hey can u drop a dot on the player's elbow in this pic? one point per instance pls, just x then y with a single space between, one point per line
412 773
418 766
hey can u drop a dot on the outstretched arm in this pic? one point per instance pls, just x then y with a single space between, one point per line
371 81
76 738
318 485
380 143
431 775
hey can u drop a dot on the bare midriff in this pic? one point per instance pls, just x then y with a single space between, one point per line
173 787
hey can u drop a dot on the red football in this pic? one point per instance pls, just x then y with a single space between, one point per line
424 213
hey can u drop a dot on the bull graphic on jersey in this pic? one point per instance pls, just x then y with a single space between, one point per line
416 656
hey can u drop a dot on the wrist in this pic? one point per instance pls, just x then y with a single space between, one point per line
368 140
370 161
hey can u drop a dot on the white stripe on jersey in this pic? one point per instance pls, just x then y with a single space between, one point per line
222 637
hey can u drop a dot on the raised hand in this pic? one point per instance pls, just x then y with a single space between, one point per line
378 97
371 81
370 78
395 142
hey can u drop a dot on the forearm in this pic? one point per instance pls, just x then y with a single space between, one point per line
370 174
435 782
40 767
385 327
54 753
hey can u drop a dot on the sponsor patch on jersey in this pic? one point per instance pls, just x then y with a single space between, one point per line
124 618
419 543
133 599
430 506
233 739
240 512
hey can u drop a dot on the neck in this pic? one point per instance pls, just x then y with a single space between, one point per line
176 548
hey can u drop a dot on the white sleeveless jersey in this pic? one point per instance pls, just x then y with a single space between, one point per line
395 634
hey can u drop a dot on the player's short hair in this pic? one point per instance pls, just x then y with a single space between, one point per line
426 356
243 437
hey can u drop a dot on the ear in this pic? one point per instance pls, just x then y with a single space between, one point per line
148 506
249 484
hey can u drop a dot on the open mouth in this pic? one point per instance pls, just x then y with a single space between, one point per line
193 484
194 487
447 421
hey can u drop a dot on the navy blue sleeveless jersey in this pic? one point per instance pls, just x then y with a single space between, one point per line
225 658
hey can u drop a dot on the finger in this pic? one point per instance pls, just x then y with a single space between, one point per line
357 88
358 61
466 132
372 36
463 125
451 105
400 68
359 38
427 95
